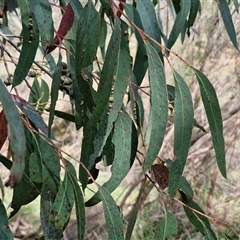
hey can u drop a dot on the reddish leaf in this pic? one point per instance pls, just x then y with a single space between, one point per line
117 9
65 25
3 128
161 173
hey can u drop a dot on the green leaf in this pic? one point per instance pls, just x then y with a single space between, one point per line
227 20
79 201
102 100
125 141
107 8
176 5
148 18
54 92
34 117
87 35
49 159
108 151
43 14
77 7
16 135
198 220
141 62
168 226
159 105
236 5
149 21
78 97
24 192
136 102
195 5
64 115
40 96
5 232
103 37
195 124
186 188
112 215
86 44
30 43
183 124
212 108
119 84
132 219
179 22
208 233
35 168
48 227
63 203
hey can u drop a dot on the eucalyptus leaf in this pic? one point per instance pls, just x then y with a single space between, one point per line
183 124
5 232
125 141
16 135
30 42
112 215
212 108
159 105
228 22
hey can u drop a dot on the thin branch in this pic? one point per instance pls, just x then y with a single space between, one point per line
19 50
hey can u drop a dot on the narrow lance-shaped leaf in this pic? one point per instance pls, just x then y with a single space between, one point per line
183 124
24 192
168 226
54 92
51 169
136 102
200 221
46 201
34 117
149 21
236 5
159 105
148 18
179 22
103 94
113 217
43 14
63 203
79 201
125 141
30 43
195 5
119 84
86 45
40 96
77 7
132 219
212 108
227 20
5 232
77 91
16 135
141 63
